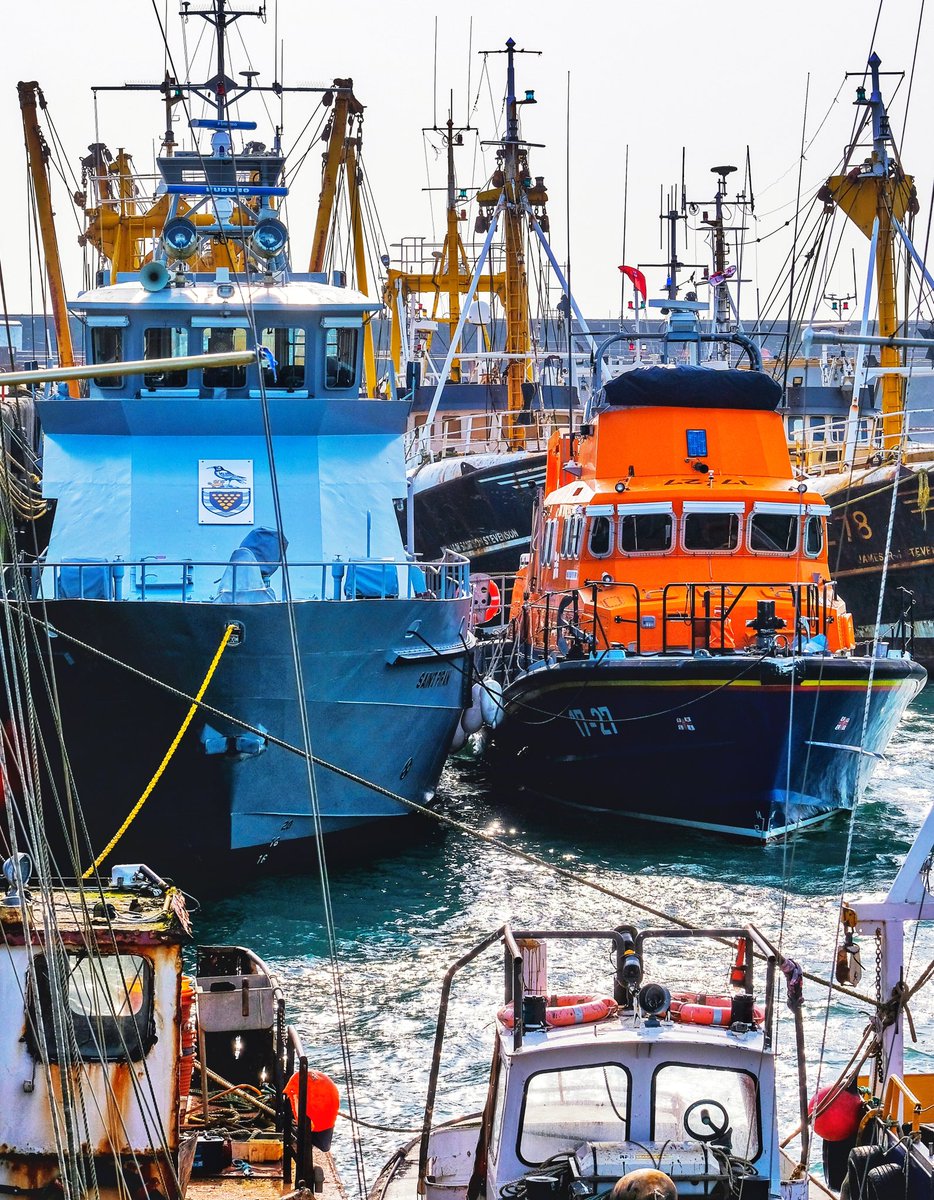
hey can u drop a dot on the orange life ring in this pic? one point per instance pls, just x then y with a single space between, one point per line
698 1008
568 1010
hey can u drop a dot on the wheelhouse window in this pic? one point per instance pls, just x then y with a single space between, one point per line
223 341
563 1108
774 533
813 537
600 536
732 1099
572 536
110 999
711 532
165 343
340 358
107 347
549 541
646 533
287 347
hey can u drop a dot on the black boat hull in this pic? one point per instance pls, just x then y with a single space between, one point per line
381 707
731 744
858 533
485 515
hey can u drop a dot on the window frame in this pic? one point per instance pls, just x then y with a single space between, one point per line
278 385
610 518
242 370
792 511
337 330
555 1071
695 1066
108 383
134 1034
549 541
809 517
712 508
179 378
646 510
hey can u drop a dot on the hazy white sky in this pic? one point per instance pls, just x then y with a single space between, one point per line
655 76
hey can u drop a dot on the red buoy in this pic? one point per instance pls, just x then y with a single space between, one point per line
322 1100
839 1119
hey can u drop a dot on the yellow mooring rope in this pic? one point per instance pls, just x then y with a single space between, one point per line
228 633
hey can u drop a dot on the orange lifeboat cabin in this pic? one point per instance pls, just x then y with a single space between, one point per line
683 653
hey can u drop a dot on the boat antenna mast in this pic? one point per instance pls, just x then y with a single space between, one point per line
722 223
223 90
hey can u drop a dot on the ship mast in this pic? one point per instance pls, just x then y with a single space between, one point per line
875 195
30 97
517 178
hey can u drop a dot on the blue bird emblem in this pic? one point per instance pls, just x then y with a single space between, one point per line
227 478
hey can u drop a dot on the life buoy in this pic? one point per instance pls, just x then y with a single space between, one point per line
699 1008
568 1010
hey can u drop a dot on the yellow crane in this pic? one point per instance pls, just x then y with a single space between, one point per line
31 99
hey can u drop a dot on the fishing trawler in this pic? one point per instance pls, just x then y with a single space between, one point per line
683 653
855 433
480 420
324 683
657 1090
97 1094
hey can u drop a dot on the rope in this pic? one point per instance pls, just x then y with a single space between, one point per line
189 716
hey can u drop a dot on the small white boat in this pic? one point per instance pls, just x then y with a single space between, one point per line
585 1090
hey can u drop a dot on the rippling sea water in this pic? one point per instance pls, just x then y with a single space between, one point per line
403 919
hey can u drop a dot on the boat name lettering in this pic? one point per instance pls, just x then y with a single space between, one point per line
433 679
600 720
488 539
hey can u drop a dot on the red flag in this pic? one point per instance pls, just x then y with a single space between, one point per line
638 279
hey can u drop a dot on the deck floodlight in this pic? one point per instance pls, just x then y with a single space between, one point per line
654 999
180 238
269 238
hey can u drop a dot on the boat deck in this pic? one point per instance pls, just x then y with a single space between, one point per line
237 1186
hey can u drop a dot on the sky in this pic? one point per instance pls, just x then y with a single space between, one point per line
652 77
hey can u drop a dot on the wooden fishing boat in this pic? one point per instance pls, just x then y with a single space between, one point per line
682 653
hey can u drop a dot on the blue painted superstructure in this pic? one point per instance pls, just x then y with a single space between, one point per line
258 498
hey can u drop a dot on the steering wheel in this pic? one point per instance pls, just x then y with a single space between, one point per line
714 1131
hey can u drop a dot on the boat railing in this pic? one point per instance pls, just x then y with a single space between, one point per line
454 434
241 582
819 442
297 1156
694 616
900 1106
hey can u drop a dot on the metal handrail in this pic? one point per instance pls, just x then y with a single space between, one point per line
446 578
812 605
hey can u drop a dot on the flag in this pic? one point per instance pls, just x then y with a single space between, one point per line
638 279
722 276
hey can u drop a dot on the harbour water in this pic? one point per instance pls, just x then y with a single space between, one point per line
401 920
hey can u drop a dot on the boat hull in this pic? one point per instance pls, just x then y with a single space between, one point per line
732 744
858 540
485 515
381 706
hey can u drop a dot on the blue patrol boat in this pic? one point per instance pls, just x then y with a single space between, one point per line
231 524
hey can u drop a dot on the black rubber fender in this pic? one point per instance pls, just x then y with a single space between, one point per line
861 1161
886 1181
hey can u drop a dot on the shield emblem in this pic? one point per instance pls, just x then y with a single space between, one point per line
226 502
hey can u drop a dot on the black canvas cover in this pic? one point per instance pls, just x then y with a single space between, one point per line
693 387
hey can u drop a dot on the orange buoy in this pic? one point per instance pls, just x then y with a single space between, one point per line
322 1100
838 1117
568 1010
